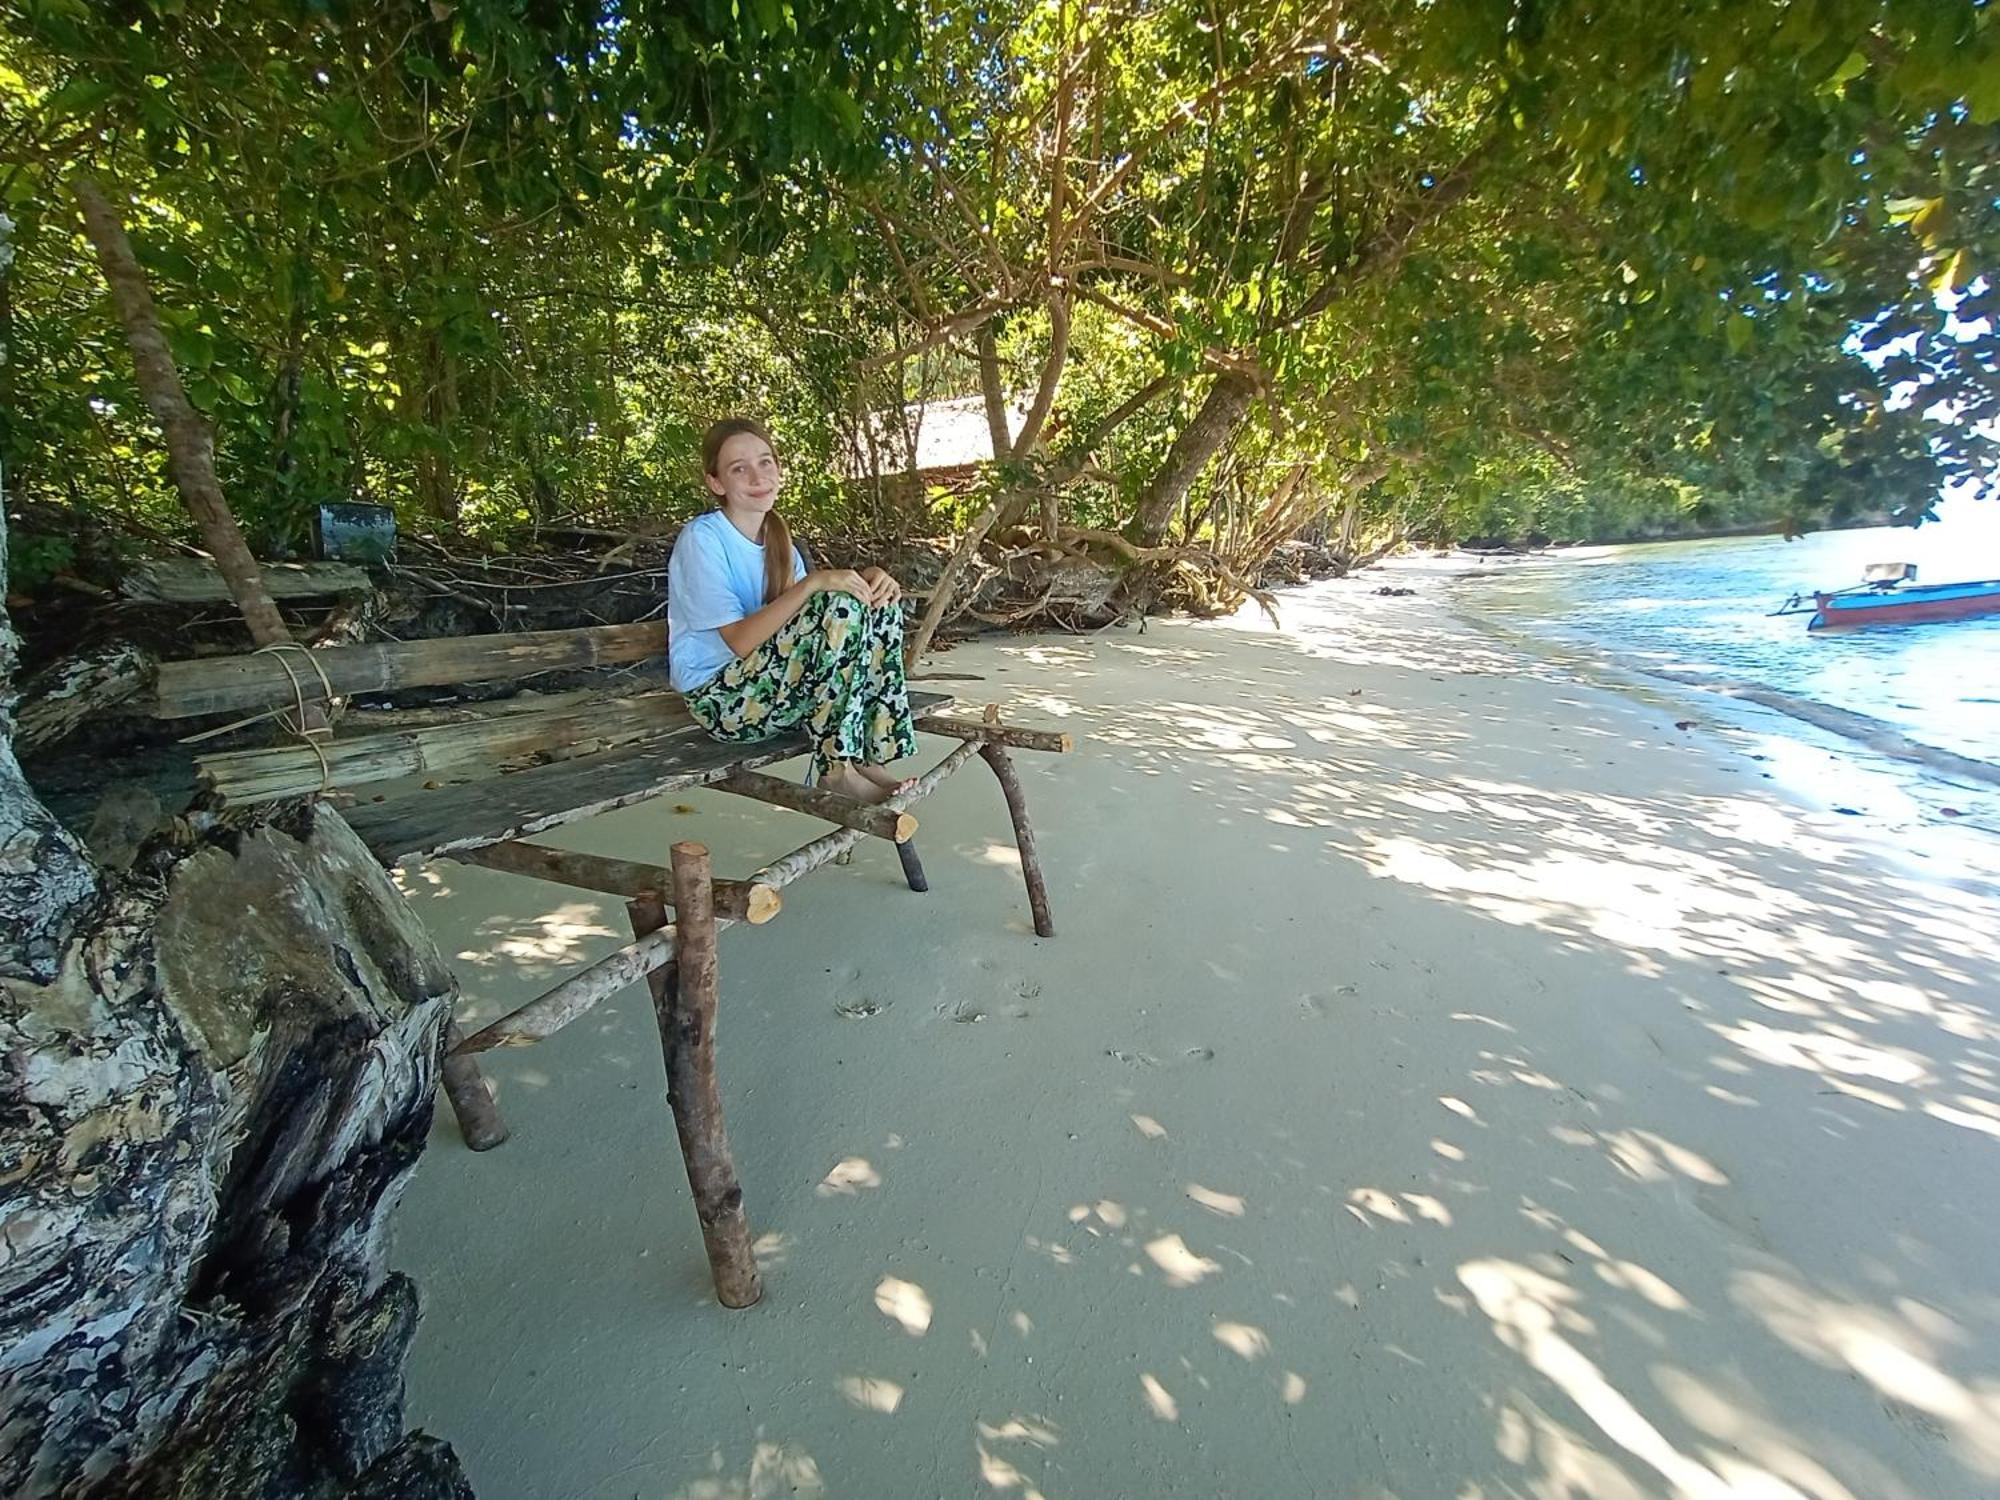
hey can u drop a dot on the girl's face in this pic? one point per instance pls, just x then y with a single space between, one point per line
747 476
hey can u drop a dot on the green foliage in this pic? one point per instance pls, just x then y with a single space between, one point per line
470 259
497 265
34 559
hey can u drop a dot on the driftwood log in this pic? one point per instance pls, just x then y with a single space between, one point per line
204 1125
58 702
196 580
212 1121
1054 741
189 442
806 858
224 684
546 1014
995 756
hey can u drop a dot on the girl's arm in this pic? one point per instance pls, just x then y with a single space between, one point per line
750 632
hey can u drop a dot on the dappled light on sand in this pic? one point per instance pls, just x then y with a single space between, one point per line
1534 1315
774 1470
1227 1205
1526 1128
998 1471
1896 1351
553 938
906 1303
871 1394
1242 1340
848 1177
1181 1265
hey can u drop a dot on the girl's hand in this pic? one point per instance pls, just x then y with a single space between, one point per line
841 581
886 589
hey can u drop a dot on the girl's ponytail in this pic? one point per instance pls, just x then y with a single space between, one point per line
777 556
777 536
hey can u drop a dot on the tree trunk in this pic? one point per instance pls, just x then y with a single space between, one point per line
920 638
190 444
1222 413
993 393
208 1122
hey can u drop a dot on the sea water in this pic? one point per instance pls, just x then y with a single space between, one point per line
1704 611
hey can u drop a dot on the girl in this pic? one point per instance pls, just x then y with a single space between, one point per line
758 645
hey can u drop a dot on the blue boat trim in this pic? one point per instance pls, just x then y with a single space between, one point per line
1930 603
1918 593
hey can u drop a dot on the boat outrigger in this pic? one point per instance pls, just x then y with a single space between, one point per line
1889 594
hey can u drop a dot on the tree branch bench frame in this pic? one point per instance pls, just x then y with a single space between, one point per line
594 757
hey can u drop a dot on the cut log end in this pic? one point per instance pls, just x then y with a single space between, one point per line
906 827
761 903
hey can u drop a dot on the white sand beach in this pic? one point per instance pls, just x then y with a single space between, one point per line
1449 1080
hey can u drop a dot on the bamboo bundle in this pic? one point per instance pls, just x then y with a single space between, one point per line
245 777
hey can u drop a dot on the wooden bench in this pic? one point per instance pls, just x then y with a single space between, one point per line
521 771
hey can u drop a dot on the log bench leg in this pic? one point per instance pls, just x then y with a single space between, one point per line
913 868
684 1004
470 1096
1024 835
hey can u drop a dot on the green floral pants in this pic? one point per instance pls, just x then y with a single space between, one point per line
835 669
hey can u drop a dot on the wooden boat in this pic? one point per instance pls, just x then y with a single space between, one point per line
1890 595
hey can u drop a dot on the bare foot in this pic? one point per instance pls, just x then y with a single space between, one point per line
882 776
847 779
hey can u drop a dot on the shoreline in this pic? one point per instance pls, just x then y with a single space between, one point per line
1937 776
1931 810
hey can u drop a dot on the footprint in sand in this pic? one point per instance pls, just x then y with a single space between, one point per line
1319 1007
860 1010
1147 1060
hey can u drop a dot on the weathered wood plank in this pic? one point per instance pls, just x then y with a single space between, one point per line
223 684
195 580
543 797
242 778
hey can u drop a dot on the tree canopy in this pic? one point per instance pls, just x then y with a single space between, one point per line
1472 267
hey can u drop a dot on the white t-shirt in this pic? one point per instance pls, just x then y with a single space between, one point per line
715 578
